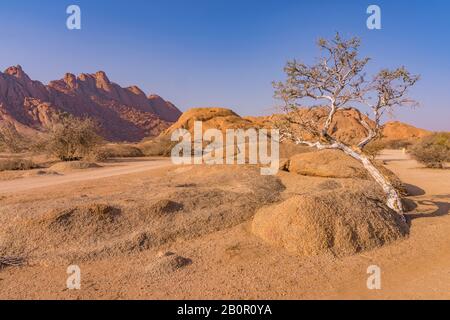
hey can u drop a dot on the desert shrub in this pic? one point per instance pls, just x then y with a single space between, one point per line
160 146
72 138
374 148
11 140
122 151
434 150
97 155
397 144
17 164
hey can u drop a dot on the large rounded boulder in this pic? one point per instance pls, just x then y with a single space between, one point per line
338 222
332 163
326 163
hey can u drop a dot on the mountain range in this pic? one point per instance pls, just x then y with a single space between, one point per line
123 114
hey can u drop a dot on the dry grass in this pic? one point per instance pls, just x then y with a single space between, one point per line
6 262
17 164
73 165
397 144
160 146
121 151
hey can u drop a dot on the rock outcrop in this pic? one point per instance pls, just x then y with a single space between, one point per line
346 125
396 130
211 118
340 223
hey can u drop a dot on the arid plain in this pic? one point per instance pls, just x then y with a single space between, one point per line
144 228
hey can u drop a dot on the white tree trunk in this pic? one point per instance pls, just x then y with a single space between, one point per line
393 199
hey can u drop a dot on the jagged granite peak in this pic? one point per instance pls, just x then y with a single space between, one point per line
124 114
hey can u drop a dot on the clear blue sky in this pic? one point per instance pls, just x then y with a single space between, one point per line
226 52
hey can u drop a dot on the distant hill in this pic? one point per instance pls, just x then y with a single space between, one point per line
396 130
123 114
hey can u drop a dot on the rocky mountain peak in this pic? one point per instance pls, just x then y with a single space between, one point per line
124 114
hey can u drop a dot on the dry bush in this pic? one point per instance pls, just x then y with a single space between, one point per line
11 140
434 150
72 138
121 151
160 146
97 155
374 148
397 144
17 164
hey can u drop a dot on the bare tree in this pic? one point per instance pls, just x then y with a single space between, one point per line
338 80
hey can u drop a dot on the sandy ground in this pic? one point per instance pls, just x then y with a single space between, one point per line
234 264
107 170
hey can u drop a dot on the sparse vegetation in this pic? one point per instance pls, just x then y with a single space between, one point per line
72 139
17 164
433 151
160 146
121 151
397 144
374 148
11 140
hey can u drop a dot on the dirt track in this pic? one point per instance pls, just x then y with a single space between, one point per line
116 169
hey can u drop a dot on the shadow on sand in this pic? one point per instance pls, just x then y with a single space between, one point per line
410 205
414 190
443 209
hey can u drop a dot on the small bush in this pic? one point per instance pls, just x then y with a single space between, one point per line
434 150
160 146
397 144
72 139
11 140
97 155
17 164
374 148
122 151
